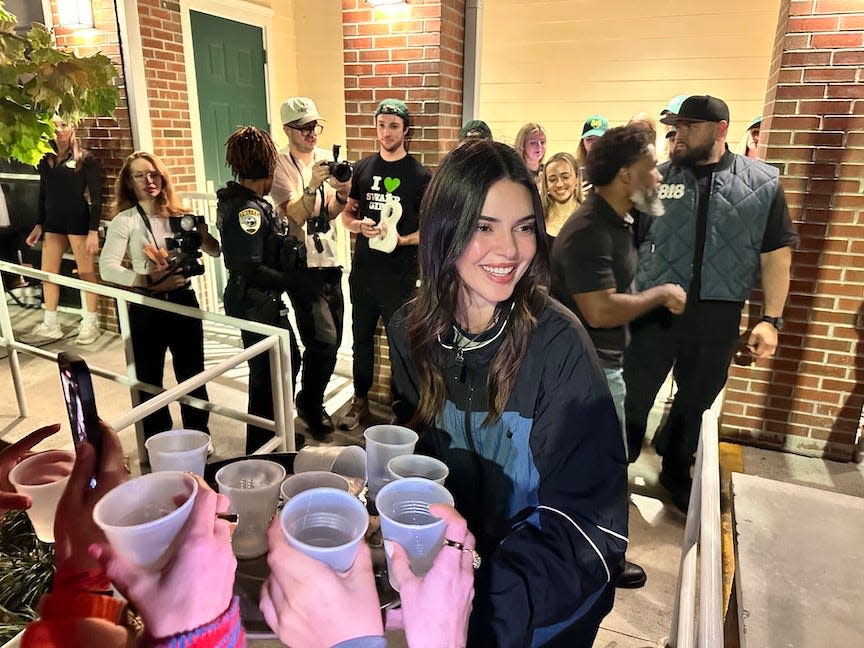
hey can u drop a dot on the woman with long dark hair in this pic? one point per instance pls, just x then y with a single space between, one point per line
144 201
504 386
69 209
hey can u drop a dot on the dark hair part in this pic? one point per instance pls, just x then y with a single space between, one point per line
167 203
250 153
449 215
618 148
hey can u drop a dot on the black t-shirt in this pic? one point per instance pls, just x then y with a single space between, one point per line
595 251
779 232
374 179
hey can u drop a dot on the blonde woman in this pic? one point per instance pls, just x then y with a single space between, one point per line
69 209
562 191
530 145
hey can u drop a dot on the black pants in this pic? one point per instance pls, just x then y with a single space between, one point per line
153 333
319 323
264 307
701 356
373 297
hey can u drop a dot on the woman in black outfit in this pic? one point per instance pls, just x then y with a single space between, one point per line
70 205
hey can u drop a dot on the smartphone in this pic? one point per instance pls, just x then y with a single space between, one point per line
80 402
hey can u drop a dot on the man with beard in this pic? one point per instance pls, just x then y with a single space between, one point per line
383 209
594 260
725 221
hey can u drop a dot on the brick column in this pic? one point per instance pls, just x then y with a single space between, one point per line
413 53
809 398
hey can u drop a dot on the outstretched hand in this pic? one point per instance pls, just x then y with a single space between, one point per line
196 585
308 605
436 607
74 528
9 499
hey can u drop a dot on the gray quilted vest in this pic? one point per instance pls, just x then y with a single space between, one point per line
738 208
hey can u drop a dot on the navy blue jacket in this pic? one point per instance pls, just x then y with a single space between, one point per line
543 488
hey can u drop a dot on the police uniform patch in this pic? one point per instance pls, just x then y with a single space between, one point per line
250 220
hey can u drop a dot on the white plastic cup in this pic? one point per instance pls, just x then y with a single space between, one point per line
141 517
43 476
252 485
403 508
418 466
383 443
178 450
348 461
325 524
300 482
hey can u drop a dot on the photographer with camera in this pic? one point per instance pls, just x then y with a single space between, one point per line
148 217
310 188
262 258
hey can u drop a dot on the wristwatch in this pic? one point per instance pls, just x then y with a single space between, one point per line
309 191
776 322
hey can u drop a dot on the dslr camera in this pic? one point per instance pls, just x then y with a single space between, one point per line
187 241
341 171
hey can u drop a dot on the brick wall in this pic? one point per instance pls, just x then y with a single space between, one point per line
413 53
809 398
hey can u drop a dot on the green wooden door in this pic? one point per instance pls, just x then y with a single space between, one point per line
229 68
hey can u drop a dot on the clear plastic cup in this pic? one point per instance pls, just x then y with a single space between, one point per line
383 443
43 476
178 450
141 517
348 461
300 482
325 524
252 485
403 508
418 466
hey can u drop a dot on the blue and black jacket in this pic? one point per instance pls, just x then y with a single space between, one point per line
543 488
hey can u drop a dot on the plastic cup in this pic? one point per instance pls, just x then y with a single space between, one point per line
178 450
141 517
252 485
383 443
43 476
403 508
325 524
301 482
348 461
418 466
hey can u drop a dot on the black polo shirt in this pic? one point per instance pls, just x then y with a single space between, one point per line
595 250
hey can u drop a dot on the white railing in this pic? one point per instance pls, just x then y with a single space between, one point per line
702 532
276 343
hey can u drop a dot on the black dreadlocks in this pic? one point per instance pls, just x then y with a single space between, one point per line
250 153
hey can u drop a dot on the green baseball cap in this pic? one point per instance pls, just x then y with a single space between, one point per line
392 107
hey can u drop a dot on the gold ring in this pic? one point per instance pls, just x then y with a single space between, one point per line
476 560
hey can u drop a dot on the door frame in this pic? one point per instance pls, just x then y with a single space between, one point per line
239 11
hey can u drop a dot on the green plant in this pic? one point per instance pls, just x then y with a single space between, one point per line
38 81
26 570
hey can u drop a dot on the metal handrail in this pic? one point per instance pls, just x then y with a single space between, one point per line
702 534
276 342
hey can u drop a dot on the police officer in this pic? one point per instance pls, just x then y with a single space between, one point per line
260 258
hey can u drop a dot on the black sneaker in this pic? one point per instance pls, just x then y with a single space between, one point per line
320 425
679 490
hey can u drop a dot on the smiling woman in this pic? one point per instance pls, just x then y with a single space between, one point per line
503 386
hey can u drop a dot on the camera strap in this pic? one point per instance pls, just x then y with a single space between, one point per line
147 223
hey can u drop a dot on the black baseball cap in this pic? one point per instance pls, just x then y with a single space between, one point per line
703 108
